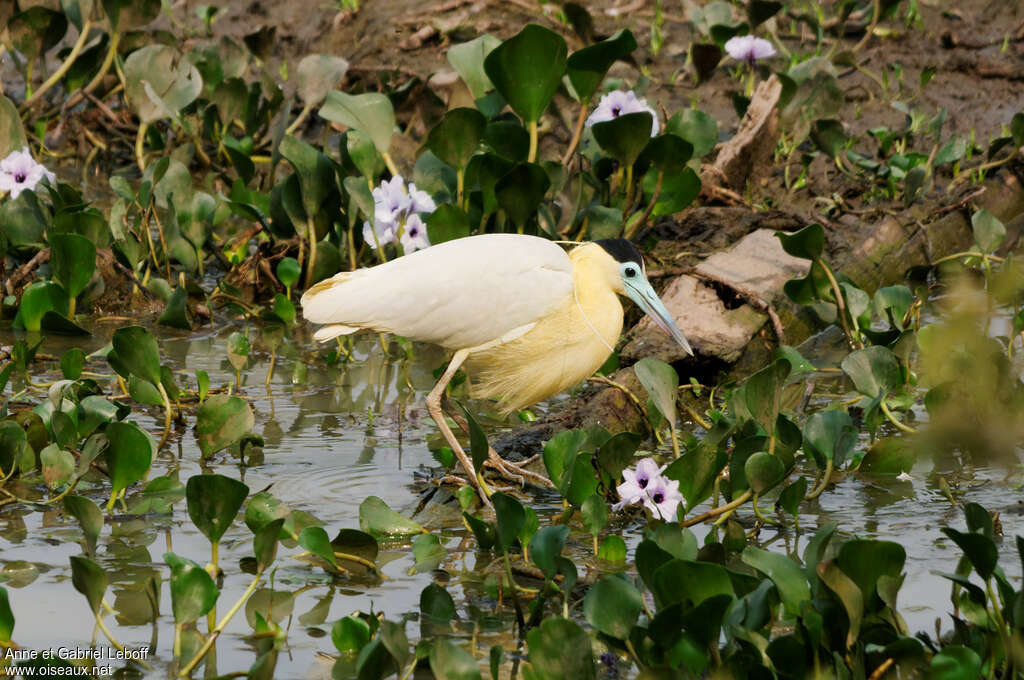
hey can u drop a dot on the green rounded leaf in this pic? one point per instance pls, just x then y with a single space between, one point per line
875 371
989 232
193 591
546 547
316 541
808 243
662 384
350 634
695 127
457 137
288 271
378 520
511 518
39 299
447 223
955 662
129 454
786 574
587 67
370 113
449 661
668 153
73 261
830 435
437 603
527 69
979 549
89 579
71 363
88 515
520 191
764 471
213 503
428 552
221 421
318 74
612 606
137 352
468 61
624 137
6 617
560 649
160 82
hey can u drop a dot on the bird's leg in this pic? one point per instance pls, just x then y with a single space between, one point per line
506 467
434 408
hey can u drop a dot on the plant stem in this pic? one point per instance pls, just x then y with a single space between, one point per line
140 138
532 128
638 223
840 304
721 509
577 132
390 162
118 645
311 237
187 670
892 419
816 491
83 36
71 306
460 182
298 120
115 41
167 415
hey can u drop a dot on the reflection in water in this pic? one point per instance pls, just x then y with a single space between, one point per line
337 433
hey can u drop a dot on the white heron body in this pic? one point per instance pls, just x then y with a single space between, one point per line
526 318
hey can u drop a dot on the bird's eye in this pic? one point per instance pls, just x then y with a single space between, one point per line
630 272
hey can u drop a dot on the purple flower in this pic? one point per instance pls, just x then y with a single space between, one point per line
396 215
633 490
749 49
619 103
19 171
663 498
414 235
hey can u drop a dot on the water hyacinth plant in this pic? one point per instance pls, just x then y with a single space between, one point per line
645 485
749 50
618 103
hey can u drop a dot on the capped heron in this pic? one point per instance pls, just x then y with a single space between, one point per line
526 318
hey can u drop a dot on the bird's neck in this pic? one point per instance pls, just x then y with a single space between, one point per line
594 297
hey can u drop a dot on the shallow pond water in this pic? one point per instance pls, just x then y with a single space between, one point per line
337 434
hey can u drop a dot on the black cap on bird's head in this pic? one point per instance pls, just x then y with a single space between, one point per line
638 288
621 249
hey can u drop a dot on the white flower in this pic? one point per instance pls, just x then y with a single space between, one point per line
414 234
396 215
19 171
385 234
663 498
904 477
749 49
634 489
619 103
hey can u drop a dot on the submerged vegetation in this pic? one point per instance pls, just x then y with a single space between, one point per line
233 185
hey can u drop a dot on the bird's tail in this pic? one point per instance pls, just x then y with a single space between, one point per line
320 304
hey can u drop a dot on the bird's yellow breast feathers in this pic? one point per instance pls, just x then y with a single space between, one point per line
564 347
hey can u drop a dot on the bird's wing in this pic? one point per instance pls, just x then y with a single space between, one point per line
458 294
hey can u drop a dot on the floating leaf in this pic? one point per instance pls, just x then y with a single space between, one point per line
89 579
73 260
137 352
316 541
448 660
511 518
546 547
378 520
830 436
889 456
527 70
129 454
559 649
88 515
875 371
612 606
370 113
787 576
213 503
221 421
58 465
428 552
193 591
71 363
350 634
